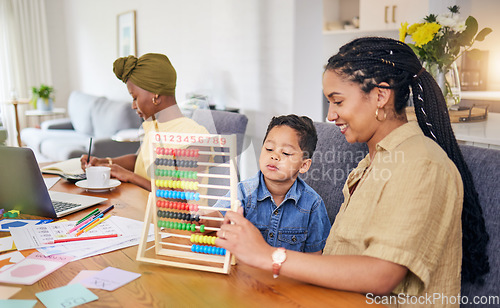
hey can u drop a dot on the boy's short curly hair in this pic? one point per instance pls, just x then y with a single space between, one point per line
303 126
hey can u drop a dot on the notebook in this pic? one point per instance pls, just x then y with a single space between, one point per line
22 187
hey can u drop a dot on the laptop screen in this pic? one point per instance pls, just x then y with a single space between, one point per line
21 184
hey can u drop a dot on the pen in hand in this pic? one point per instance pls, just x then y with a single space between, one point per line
90 147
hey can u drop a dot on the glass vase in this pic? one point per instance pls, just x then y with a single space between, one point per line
448 80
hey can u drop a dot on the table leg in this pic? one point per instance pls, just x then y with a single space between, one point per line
17 125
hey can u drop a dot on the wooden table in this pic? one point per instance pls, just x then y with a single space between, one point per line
161 286
15 103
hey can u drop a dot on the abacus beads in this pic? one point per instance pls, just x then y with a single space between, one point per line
177 184
176 162
213 250
179 226
178 215
202 239
177 194
177 152
177 173
177 205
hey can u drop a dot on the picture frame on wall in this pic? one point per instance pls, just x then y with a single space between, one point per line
127 44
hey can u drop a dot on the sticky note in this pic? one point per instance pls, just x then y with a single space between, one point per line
83 275
68 296
7 292
109 279
17 303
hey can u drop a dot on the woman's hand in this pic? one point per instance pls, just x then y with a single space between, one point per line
94 161
244 240
120 173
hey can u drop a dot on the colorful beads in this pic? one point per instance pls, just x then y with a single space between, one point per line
177 205
179 225
172 194
203 239
184 174
177 184
178 215
177 152
213 250
176 162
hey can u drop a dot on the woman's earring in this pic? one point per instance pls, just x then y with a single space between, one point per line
376 115
155 102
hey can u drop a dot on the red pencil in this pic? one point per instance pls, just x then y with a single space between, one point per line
71 239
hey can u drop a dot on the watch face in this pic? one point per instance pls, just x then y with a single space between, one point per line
279 255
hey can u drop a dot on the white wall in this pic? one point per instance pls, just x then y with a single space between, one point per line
256 55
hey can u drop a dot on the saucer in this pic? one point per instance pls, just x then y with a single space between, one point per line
112 184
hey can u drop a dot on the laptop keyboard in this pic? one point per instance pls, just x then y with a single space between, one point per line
60 206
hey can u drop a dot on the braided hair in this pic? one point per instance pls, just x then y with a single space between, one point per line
372 60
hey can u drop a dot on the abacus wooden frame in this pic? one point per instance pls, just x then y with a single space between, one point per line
208 140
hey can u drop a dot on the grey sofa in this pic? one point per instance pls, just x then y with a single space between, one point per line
335 158
89 116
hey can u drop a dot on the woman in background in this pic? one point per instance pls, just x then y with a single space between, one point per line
401 228
151 81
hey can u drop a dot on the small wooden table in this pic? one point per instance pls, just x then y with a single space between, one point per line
162 286
15 103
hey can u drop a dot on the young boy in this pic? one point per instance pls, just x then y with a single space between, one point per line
287 211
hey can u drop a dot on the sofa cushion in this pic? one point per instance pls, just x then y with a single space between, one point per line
80 106
62 148
35 137
108 117
484 166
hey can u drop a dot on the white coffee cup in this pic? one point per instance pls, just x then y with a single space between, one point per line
98 176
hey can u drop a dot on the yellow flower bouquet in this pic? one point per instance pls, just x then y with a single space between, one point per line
442 38
439 40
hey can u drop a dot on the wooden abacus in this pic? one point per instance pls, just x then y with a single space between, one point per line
173 203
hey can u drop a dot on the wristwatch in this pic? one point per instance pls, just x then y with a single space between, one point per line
278 256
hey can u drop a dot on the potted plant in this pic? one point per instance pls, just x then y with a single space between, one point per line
42 97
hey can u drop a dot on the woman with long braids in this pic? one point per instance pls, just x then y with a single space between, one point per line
410 207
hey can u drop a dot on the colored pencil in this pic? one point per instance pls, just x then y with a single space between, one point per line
79 225
88 215
96 223
91 221
108 209
92 225
72 239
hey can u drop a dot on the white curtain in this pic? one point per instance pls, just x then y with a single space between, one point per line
24 56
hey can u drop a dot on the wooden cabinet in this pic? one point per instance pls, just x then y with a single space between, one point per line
377 15
389 14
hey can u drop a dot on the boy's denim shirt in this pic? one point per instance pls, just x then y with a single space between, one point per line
301 223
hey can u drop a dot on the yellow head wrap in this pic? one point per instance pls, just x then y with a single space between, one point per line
152 72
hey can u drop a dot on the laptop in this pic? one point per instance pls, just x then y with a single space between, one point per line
22 187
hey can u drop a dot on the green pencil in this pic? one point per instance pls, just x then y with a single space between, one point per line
90 214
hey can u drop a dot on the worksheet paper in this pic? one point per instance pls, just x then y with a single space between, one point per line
49 182
41 235
36 237
8 225
7 243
